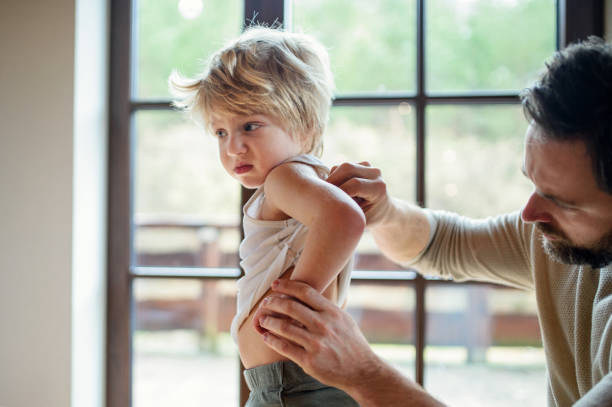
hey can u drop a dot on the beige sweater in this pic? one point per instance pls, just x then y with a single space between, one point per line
574 302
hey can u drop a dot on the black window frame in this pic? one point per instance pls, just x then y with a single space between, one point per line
575 20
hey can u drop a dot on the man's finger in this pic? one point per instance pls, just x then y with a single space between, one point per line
366 189
260 311
302 292
362 163
346 171
284 328
284 347
288 308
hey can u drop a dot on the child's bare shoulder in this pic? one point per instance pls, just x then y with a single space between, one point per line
292 180
287 187
291 172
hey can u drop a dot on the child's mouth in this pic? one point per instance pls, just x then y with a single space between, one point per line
241 169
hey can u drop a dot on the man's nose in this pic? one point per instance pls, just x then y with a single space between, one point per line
535 210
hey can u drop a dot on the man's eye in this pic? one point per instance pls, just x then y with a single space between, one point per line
564 206
220 133
251 126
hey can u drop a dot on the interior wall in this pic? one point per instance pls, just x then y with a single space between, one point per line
44 317
36 82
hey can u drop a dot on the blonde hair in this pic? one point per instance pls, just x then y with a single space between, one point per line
265 71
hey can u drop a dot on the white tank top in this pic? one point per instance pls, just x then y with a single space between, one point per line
270 247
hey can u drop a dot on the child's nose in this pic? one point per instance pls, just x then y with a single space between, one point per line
236 145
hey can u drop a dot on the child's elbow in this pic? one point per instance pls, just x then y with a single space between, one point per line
358 221
350 222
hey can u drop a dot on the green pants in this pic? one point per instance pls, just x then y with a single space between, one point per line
285 384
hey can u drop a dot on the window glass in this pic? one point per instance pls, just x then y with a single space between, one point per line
179 34
186 208
183 353
372 43
474 45
478 337
383 136
474 159
387 325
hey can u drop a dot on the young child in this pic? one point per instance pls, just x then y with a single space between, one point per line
266 97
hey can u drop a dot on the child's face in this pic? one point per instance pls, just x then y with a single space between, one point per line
251 146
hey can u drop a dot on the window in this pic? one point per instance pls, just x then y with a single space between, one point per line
426 90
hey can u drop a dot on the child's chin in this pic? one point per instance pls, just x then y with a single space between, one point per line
249 185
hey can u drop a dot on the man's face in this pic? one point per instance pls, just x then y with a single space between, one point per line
572 213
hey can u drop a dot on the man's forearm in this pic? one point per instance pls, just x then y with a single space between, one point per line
401 231
384 386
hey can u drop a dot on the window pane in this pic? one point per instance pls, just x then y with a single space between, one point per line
474 159
487 45
384 136
388 325
372 43
479 337
179 35
183 353
186 208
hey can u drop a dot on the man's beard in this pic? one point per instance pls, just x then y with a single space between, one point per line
564 251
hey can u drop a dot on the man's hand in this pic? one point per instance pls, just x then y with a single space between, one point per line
365 185
328 345
317 335
401 230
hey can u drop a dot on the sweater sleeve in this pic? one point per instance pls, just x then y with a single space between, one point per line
599 395
492 250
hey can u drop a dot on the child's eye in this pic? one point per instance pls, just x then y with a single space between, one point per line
251 126
220 133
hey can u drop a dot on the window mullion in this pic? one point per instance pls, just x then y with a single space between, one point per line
119 288
577 19
420 282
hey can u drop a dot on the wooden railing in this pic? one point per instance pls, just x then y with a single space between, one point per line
211 312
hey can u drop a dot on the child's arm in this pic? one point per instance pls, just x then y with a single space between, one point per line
335 222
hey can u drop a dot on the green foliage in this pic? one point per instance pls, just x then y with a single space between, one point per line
487 44
383 135
474 155
372 42
177 171
166 40
471 45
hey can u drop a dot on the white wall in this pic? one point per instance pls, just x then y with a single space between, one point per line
51 206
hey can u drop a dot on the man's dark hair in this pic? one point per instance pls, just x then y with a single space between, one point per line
573 101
